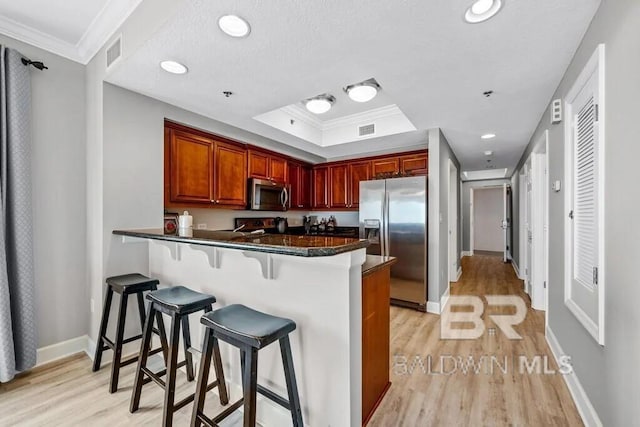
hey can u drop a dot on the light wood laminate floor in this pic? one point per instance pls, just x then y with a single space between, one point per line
483 399
67 393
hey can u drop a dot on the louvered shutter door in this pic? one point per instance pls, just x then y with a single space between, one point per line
585 194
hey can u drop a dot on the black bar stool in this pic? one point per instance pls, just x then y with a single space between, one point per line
125 285
178 302
249 330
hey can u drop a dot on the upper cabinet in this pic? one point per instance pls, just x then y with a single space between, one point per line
191 165
385 165
320 184
300 183
358 171
230 185
203 170
416 164
264 165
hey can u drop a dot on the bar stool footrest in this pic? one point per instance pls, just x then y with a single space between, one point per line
274 397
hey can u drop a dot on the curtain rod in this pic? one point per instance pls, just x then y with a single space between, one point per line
37 64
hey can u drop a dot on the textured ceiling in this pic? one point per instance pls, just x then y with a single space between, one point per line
428 61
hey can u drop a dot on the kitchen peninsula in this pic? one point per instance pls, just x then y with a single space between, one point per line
322 283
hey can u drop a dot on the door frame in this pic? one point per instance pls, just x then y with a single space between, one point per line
472 212
452 224
540 223
522 229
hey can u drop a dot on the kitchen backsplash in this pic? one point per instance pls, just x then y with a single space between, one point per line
222 219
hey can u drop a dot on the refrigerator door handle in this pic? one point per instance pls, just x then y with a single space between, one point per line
385 214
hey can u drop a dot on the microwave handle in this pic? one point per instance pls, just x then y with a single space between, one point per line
284 197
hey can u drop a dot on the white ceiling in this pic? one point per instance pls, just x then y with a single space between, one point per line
75 29
427 60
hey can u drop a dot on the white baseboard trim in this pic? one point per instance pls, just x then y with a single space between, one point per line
459 273
587 412
516 269
467 253
444 298
433 307
61 350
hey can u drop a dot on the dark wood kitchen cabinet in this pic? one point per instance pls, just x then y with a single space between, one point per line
338 183
264 165
300 185
358 171
203 170
385 165
230 187
344 183
320 184
416 164
191 160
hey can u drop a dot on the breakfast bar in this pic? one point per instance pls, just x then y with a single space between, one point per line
315 281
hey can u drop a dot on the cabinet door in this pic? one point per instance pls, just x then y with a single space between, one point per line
278 169
258 165
191 168
305 187
386 165
295 170
320 184
230 175
338 194
415 164
359 171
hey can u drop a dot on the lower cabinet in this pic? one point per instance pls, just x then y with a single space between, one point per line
375 339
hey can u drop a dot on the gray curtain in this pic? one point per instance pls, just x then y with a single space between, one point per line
18 338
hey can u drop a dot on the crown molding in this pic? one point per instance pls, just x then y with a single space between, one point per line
103 26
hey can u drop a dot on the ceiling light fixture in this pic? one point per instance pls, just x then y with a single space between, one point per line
234 26
364 91
319 104
488 153
481 10
488 136
173 67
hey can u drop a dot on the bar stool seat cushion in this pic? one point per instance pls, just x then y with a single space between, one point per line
249 326
131 283
180 299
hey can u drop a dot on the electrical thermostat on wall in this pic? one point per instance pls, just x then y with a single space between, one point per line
556 186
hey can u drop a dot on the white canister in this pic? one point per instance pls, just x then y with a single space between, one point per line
185 220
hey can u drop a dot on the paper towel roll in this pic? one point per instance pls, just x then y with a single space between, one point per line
185 220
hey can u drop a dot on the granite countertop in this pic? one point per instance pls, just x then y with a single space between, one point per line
284 244
376 262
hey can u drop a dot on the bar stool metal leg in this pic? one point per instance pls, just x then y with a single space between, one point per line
290 377
117 351
97 359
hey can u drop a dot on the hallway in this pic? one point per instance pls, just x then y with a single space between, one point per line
429 383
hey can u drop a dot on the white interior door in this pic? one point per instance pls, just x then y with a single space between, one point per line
506 212
529 230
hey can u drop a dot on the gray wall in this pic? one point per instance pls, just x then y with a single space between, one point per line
466 206
438 247
58 165
607 373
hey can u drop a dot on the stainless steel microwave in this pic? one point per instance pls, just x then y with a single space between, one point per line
267 195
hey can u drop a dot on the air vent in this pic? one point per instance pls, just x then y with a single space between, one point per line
114 52
366 130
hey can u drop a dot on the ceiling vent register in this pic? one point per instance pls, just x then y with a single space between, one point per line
114 52
366 130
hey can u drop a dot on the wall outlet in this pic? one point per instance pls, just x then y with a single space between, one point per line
93 305
202 226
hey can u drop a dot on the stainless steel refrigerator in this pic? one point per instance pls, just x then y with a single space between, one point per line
393 216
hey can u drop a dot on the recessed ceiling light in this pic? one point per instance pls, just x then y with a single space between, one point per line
481 10
488 153
173 67
319 104
234 26
364 91
488 136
